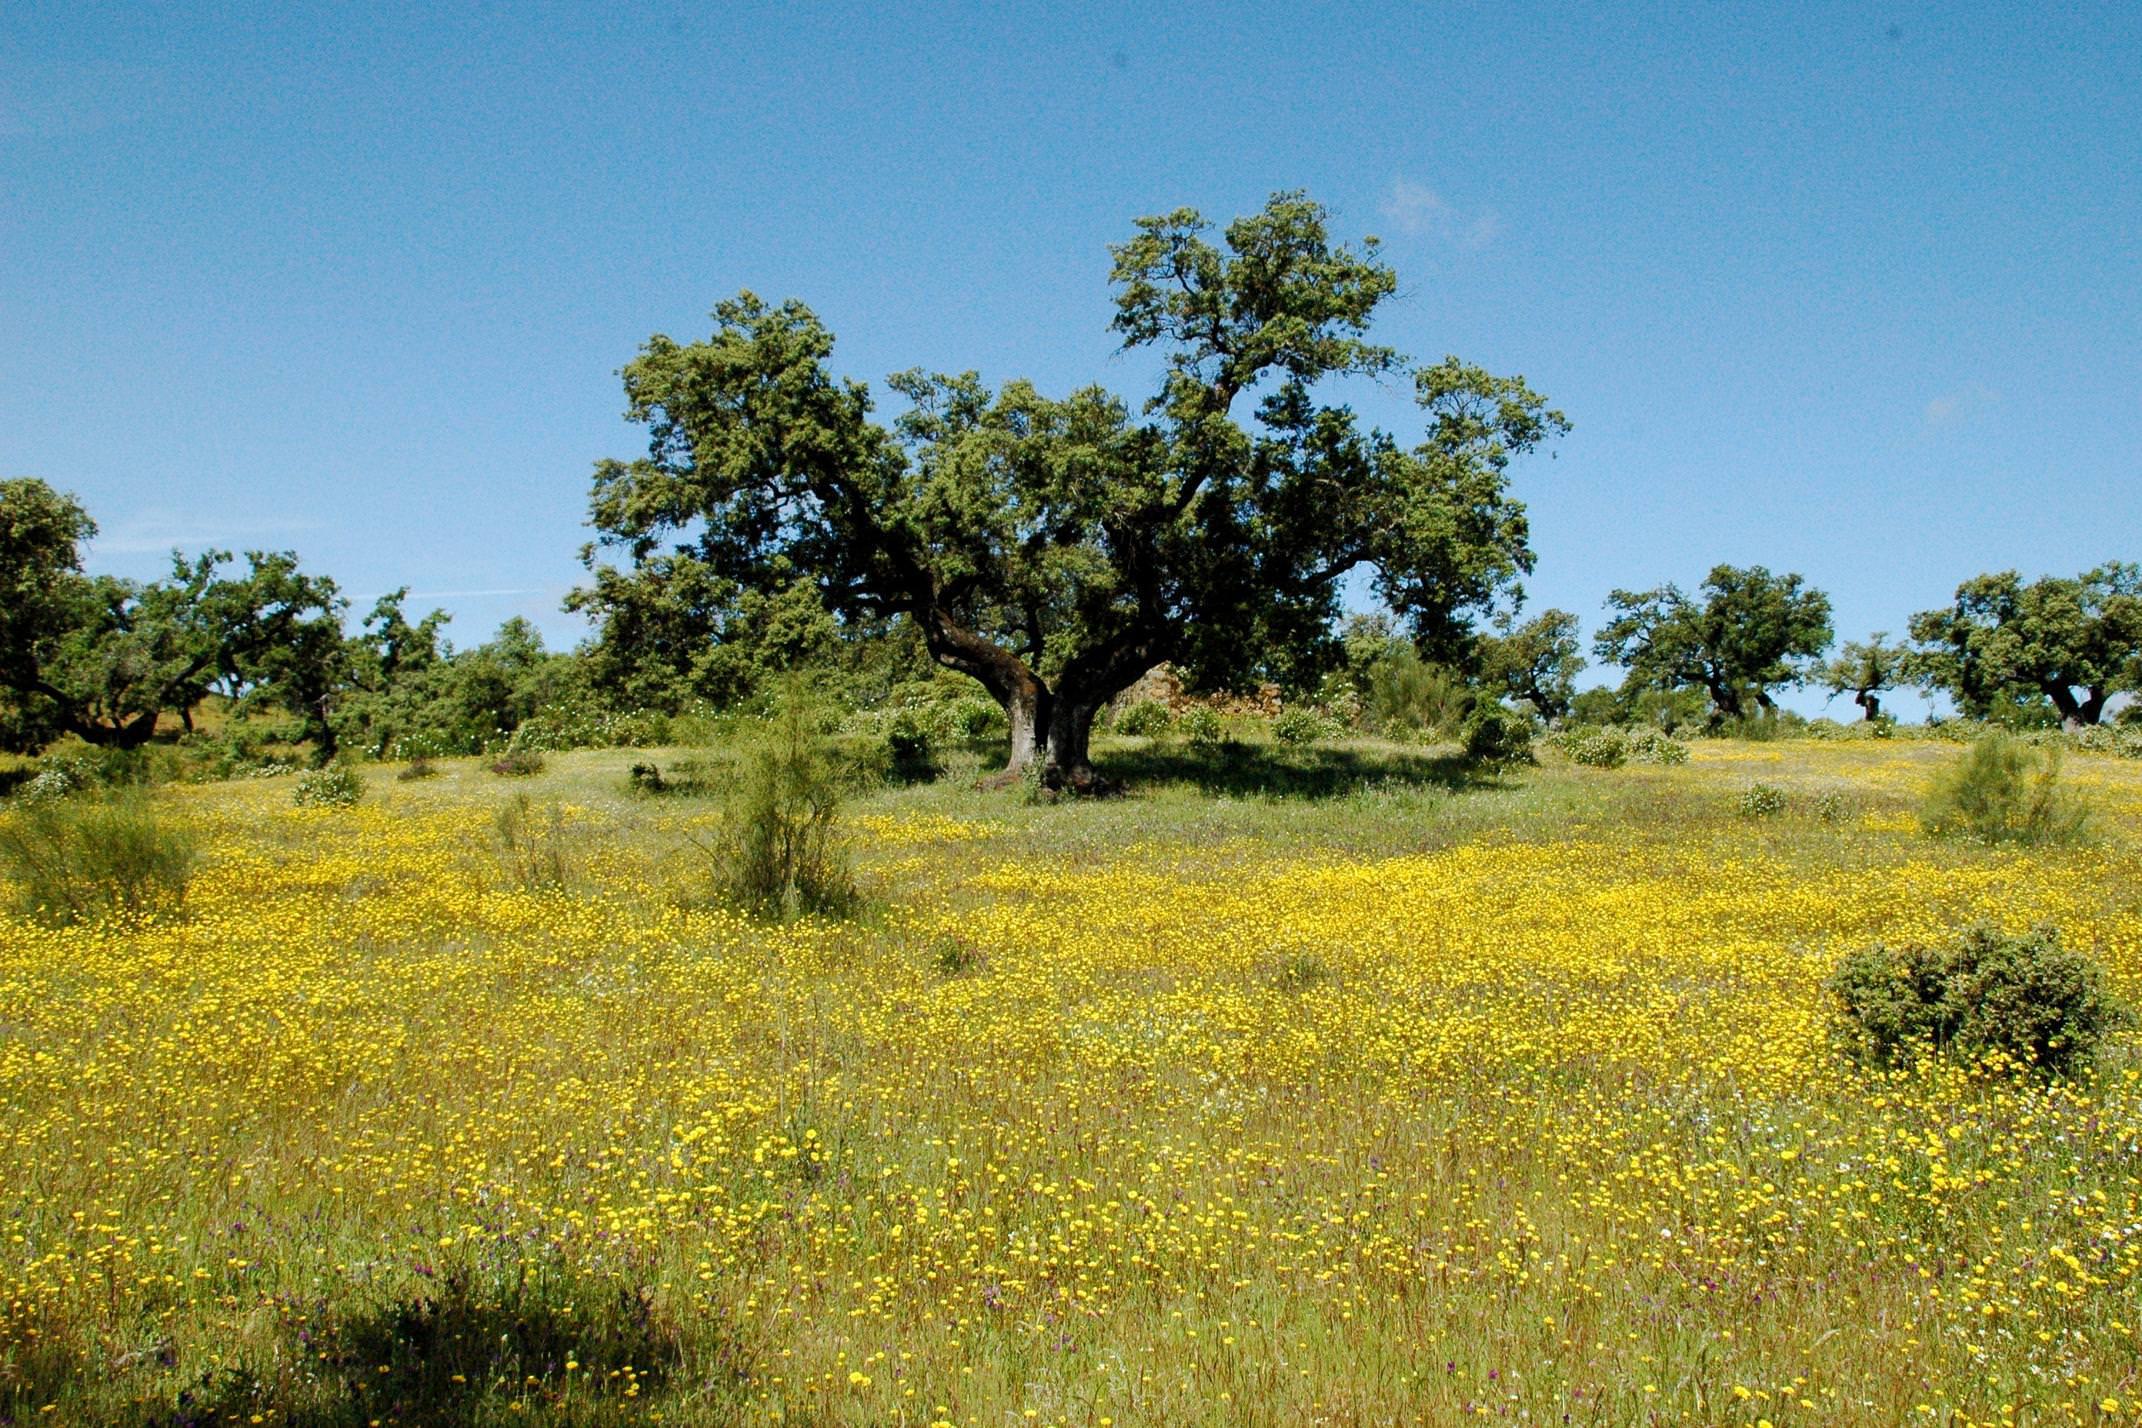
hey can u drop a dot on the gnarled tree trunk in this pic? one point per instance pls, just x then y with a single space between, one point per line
1027 711
1070 765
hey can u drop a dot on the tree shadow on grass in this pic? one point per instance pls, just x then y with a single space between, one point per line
462 1355
1306 772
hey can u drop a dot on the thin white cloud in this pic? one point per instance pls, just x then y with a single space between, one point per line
466 594
1953 408
156 533
1418 211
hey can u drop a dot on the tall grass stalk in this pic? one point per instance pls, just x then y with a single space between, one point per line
79 860
779 853
2004 791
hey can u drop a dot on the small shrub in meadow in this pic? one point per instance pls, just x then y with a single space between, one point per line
2020 999
78 860
1496 737
518 763
335 786
50 785
538 847
910 754
1656 746
1301 725
1597 748
1201 729
418 768
645 778
2003 790
779 853
1830 807
468 1349
1762 800
1298 972
956 956
1146 719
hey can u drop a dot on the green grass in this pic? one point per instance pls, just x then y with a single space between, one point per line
1354 1085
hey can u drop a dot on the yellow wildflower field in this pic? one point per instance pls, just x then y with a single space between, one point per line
1237 1111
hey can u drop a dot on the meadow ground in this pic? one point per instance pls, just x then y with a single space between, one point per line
1334 1089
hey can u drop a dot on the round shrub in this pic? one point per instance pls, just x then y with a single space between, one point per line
336 786
1145 719
1495 736
1762 800
417 768
910 749
1300 725
518 763
2018 1000
51 784
1656 746
1597 748
1201 728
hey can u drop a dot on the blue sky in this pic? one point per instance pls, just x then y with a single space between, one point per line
1851 290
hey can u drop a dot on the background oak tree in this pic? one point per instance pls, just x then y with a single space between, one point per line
1056 548
2075 642
1750 633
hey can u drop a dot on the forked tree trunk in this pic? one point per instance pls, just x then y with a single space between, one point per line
1870 704
2077 713
128 734
1069 765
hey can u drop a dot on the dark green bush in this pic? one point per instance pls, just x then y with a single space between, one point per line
518 763
2004 791
1494 736
2020 999
956 956
910 747
1201 728
1406 695
1145 719
77 860
418 768
1301 725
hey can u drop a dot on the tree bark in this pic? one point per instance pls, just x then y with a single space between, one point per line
1027 710
127 734
1070 765
1725 704
1870 704
1018 691
2074 713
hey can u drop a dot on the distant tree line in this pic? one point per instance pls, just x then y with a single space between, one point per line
1051 550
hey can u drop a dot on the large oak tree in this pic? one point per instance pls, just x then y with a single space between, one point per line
2076 641
1751 632
1056 548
